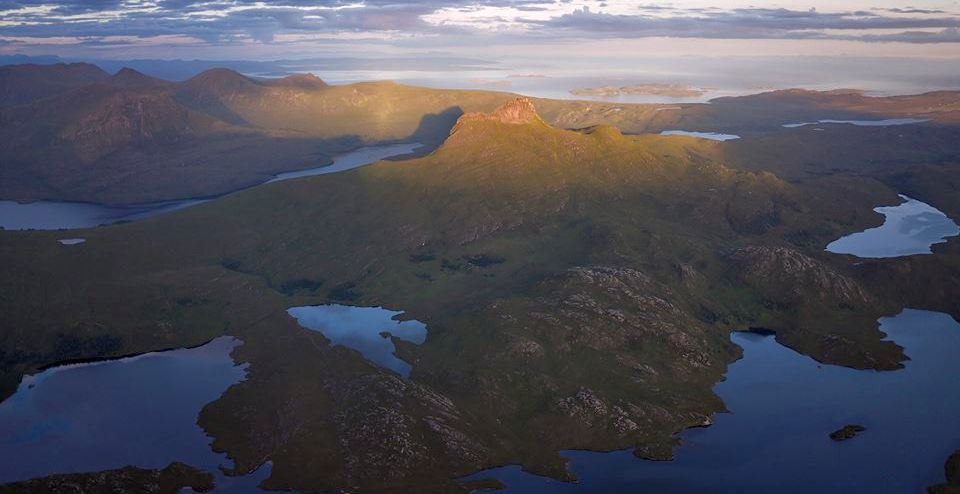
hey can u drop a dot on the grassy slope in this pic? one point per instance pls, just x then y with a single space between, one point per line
132 139
627 259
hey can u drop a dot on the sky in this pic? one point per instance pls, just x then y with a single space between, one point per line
301 28
579 36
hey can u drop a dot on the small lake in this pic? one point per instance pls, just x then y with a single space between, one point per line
713 136
364 329
908 229
862 123
139 411
56 215
782 408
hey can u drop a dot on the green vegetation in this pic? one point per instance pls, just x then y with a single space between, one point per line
73 133
578 286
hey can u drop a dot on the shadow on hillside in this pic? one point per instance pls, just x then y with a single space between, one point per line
435 127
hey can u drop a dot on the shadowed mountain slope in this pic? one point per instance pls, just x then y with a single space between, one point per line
20 84
75 133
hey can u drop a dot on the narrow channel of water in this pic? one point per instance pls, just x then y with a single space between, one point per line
56 215
713 136
861 123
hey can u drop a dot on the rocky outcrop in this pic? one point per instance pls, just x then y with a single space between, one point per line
612 307
172 479
792 276
847 432
517 112
389 428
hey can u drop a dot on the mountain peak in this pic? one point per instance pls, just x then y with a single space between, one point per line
220 79
130 78
516 112
301 81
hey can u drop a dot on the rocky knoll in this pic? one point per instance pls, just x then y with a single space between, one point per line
790 276
173 479
805 298
516 112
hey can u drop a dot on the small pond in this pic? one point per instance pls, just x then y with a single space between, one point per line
367 330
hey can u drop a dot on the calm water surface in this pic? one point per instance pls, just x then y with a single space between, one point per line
909 228
55 215
862 123
139 411
364 329
713 136
782 407
355 159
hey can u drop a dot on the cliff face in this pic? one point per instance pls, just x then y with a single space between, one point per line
517 112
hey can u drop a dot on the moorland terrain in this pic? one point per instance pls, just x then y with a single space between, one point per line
578 272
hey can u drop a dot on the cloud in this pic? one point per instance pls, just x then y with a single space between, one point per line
236 22
912 10
747 23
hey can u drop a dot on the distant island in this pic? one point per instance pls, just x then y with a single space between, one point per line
669 90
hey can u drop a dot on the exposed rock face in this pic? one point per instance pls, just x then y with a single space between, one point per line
517 112
789 274
389 428
636 323
635 306
170 480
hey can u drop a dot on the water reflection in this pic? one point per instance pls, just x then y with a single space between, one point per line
909 228
139 411
862 123
365 329
713 136
782 408
55 215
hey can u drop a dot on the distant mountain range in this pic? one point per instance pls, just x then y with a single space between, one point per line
75 132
